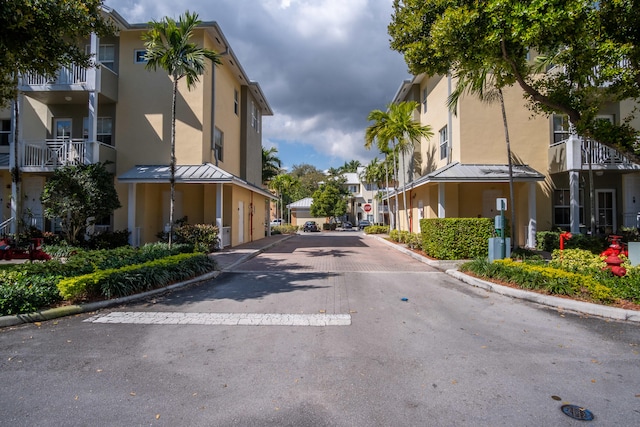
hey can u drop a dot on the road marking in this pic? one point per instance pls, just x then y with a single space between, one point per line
227 319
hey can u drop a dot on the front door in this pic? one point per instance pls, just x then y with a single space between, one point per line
62 128
606 211
240 222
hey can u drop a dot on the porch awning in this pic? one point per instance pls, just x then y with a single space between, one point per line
187 174
458 172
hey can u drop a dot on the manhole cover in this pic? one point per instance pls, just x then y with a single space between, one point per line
577 413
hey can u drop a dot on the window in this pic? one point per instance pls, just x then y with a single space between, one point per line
424 100
106 55
561 128
236 102
353 188
138 56
444 143
255 117
218 144
105 130
5 131
562 207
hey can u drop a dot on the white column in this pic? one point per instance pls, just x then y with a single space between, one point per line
93 84
532 228
574 195
131 215
219 199
441 199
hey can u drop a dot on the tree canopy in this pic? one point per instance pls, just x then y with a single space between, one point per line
38 36
77 194
586 53
329 200
271 164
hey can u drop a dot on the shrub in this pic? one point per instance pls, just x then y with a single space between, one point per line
203 237
128 280
328 226
285 229
549 279
456 238
550 240
24 293
108 239
394 235
377 229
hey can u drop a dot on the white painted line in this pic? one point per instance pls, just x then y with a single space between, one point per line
229 319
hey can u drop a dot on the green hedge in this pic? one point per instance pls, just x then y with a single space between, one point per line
27 287
131 279
377 229
456 238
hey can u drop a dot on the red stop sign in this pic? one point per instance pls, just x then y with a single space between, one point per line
367 207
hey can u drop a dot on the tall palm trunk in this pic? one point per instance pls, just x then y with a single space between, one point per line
172 163
511 197
404 192
16 200
396 226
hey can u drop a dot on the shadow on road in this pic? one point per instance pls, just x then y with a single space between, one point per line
255 285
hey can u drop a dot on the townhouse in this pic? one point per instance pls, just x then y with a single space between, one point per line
560 180
117 111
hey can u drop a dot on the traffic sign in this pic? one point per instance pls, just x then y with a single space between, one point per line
367 207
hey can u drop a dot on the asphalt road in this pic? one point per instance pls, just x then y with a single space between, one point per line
447 355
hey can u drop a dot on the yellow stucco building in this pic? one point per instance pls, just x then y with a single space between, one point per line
463 168
118 111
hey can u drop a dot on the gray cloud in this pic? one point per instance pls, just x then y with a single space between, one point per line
322 64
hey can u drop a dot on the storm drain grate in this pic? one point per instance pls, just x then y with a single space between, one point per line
577 413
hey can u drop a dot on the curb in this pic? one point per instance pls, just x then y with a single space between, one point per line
69 310
562 304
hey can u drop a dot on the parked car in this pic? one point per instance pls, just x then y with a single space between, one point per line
347 225
277 222
310 226
363 223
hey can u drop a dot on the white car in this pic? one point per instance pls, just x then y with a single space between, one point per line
277 222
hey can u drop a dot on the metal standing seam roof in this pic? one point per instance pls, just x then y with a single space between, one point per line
301 204
186 174
457 172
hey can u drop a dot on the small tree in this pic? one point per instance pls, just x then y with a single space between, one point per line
329 201
77 195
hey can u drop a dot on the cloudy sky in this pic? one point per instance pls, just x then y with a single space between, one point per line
322 64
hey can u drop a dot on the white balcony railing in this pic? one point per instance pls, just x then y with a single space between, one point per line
577 153
52 153
67 75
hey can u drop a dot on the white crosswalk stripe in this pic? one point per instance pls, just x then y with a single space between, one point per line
229 319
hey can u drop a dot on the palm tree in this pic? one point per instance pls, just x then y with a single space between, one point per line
350 166
271 164
398 127
168 47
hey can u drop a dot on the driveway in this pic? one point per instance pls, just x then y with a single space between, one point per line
401 344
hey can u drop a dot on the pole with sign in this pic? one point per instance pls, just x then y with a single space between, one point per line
501 205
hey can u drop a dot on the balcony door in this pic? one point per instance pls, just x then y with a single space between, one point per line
62 128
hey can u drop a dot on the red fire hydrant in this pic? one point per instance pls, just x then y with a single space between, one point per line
613 261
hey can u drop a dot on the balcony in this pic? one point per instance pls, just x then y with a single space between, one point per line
49 154
70 80
577 154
